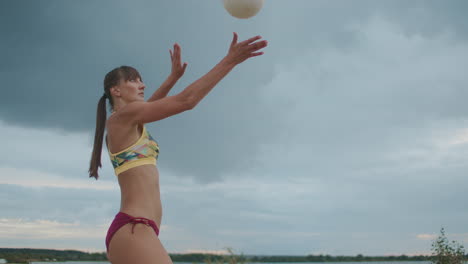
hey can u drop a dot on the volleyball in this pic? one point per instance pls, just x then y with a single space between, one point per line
243 8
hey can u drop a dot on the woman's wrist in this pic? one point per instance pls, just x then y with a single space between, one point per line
173 77
228 61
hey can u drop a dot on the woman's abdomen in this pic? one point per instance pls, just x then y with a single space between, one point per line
140 193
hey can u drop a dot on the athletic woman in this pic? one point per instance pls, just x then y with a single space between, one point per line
133 151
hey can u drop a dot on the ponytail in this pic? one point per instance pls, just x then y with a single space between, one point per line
112 79
101 117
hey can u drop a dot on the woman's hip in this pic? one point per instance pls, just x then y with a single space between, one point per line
130 222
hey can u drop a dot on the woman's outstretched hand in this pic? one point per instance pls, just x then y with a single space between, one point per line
177 68
239 52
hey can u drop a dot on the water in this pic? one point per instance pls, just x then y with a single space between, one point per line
373 262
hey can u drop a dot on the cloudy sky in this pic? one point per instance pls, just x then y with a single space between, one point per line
349 135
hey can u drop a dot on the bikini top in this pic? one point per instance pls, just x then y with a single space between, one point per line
144 151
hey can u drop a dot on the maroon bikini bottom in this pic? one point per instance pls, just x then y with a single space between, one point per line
122 219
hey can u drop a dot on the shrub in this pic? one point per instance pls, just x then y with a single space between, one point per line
444 252
229 259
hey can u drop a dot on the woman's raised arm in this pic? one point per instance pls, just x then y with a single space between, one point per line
238 53
147 112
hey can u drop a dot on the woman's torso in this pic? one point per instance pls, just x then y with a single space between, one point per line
139 186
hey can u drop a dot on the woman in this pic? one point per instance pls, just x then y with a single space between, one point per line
133 151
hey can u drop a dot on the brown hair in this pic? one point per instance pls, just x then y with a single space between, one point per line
112 78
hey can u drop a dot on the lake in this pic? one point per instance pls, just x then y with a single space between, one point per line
373 262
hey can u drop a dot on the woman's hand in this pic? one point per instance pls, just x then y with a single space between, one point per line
177 68
239 52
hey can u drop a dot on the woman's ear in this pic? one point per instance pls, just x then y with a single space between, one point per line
115 91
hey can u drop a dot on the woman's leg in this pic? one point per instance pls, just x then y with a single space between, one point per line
142 247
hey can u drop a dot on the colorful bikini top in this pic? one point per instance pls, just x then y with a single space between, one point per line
144 151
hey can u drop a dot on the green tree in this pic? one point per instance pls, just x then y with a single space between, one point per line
444 252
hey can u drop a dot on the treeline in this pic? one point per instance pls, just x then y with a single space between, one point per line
309 258
328 258
23 255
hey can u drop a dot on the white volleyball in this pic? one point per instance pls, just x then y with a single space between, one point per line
243 8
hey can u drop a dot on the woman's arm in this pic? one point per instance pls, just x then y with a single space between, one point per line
176 73
164 89
238 53
143 112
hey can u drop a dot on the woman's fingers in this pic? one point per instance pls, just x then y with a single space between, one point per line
250 45
256 54
176 52
234 39
250 40
175 55
257 45
239 52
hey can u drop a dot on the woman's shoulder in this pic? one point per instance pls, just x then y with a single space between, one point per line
114 123
125 116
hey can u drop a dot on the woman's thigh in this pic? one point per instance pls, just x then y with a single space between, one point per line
142 247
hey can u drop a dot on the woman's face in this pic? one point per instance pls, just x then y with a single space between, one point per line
131 90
